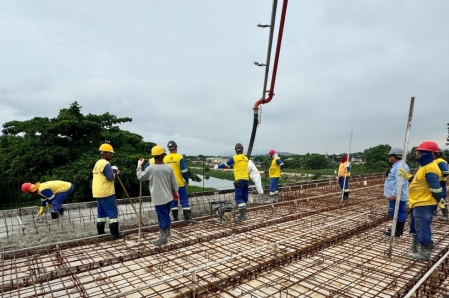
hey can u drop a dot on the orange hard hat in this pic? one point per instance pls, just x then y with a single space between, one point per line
26 187
428 146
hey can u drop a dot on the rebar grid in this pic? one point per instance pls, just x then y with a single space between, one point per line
81 223
356 267
195 255
341 261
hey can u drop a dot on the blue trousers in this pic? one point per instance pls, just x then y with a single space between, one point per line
402 213
420 223
274 186
341 180
107 207
59 198
241 193
163 215
183 199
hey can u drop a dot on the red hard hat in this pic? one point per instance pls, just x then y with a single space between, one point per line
26 187
428 146
271 152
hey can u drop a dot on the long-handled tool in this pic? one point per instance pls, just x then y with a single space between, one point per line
346 170
404 159
140 211
127 195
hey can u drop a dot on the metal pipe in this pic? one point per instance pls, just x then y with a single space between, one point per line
404 158
346 169
424 278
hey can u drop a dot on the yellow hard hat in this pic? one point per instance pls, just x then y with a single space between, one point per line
106 147
157 150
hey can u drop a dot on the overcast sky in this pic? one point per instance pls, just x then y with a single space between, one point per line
183 70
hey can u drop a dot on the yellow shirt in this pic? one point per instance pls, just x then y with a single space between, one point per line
419 192
101 187
240 167
56 187
342 169
275 169
174 160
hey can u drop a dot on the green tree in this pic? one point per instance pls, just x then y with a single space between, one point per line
316 161
377 158
66 148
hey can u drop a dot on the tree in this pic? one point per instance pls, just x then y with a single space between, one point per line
66 148
316 161
377 158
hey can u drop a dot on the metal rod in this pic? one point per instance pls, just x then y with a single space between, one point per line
346 169
404 158
127 195
140 211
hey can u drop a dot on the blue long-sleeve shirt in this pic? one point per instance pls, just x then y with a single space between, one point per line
392 182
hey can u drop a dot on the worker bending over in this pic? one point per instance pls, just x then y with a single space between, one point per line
53 194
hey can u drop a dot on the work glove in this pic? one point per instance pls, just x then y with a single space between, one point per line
402 172
115 170
140 162
442 204
41 211
176 196
216 167
48 205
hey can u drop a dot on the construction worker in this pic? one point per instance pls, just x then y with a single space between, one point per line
344 172
104 191
163 189
178 164
391 188
240 164
254 174
442 164
424 195
53 194
274 174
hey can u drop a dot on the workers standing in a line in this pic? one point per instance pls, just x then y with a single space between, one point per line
344 172
442 164
178 164
53 194
424 195
391 188
104 191
240 164
254 174
163 189
274 173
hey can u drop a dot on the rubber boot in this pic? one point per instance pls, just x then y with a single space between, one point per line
414 246
270 199
54 215
174 212
445 216
242 216
423 254
345 196
113 227
61 211
100 228
275 198
188 217
399 230
163 237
